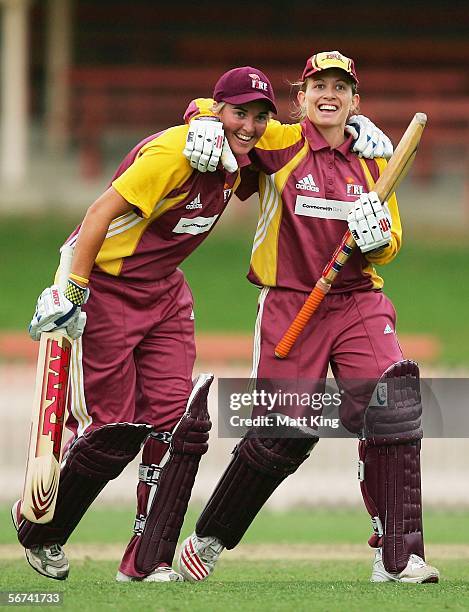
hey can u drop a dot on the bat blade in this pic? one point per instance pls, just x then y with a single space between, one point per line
47 424
402 158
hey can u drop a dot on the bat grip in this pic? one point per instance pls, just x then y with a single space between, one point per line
66 256
339 258
298 324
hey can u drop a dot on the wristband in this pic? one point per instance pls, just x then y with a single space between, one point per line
80 279
206 118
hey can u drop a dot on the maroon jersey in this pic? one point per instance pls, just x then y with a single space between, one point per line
306 191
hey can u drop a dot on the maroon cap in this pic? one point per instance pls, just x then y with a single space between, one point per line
329 59
242 85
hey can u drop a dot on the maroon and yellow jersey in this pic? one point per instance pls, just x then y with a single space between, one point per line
175 208
306 190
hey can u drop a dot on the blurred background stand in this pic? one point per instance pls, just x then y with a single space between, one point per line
83 81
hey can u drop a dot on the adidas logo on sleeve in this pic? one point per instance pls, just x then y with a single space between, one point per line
307 184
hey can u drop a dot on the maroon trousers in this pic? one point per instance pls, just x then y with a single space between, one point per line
352 332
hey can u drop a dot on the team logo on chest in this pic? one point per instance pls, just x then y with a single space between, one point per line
196 203
307 184
351 189
226 193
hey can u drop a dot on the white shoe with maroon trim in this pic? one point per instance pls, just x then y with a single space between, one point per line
160 574
417 571
198 556
48 560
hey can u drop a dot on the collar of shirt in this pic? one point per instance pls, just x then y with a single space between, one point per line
243 160
317 141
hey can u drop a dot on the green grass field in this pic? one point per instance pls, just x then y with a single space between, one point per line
427 282
279 581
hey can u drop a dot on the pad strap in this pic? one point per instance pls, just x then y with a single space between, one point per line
162 436
139 524
149 473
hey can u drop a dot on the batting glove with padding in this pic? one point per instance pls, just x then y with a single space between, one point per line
369 222
58 310
369 140
206 146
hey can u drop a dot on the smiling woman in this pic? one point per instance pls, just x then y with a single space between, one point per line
309 180
244 124
244 102
343 78
328 99
131 369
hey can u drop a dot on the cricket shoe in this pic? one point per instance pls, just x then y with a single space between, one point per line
416 571
48 560
161 574
198 556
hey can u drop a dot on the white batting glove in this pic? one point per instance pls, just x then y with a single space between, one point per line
227 158
56 310
76 327
369 140
204 144
369 222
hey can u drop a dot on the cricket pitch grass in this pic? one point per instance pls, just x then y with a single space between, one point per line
301 560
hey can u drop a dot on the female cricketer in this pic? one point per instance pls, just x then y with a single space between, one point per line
131 373
311 186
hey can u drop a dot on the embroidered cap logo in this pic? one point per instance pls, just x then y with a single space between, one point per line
256 82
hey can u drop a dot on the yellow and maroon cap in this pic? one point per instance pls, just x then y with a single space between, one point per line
245 84
329 59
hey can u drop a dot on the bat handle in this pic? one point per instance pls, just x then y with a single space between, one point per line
298 324
66 256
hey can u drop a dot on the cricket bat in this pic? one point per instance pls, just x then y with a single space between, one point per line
48 416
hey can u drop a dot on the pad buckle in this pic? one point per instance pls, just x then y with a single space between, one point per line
149 473
162 436
377 526
361 470
139 524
